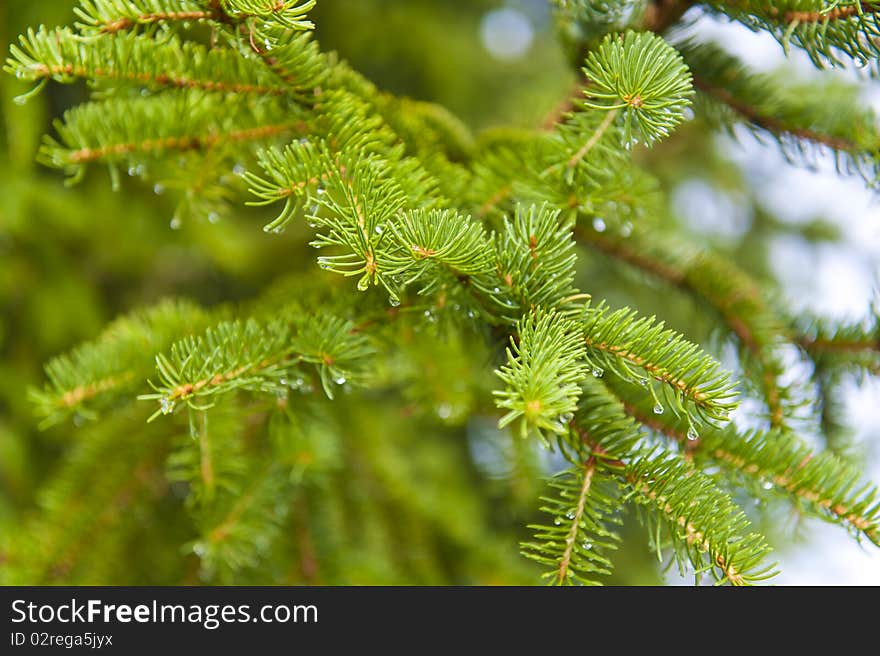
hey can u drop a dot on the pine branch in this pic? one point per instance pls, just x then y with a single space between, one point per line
542 374
826 30
770 123
588 145
573 547
81 501
621 342
387 183
236 532
136 59
718 283
290 56
257 358
210 458
196 142
705 526
833 420
660 15
181 120
346 135
110 16
438 238
534 264
637 78
820 483
492 184
644 78
361 204
829 116
97 373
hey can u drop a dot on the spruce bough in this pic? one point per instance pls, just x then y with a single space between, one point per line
237 419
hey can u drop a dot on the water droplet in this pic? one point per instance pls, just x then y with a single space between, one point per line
267 44
304 141
320 191
313 210
324 265
394 301
379 230
598 372
166 405
363 284
470 314
429 315
587 545
658 409
282 381
444 411
340 380
626 229
558 521
496 289
213 217
692 434
158 189
238 169
767 485
569 514
598 225
175 223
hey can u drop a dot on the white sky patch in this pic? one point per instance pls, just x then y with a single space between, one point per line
710 211
506 33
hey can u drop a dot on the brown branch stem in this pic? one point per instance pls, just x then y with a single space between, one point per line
196 142
769 123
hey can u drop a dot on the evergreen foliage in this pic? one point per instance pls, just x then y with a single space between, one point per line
330 430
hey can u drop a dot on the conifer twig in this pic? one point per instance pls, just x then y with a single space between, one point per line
195 142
